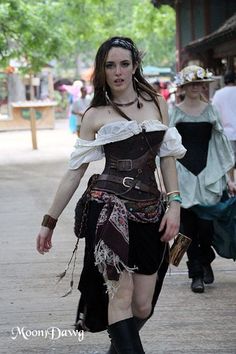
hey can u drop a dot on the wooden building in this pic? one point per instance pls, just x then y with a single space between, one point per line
205 33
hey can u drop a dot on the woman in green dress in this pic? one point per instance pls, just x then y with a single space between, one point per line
204 172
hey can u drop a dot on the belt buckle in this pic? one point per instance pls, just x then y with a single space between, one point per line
124 165
125 179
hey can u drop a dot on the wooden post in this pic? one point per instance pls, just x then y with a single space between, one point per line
33 116
33 128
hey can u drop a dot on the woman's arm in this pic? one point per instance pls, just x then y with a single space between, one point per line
66 189
231 182
171 221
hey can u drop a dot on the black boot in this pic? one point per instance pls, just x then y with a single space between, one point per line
208 275
195 269
197 285
139 324
125 337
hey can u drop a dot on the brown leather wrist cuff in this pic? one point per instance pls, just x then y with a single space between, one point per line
49 222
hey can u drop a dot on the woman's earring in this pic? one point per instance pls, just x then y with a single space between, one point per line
139 104
106 96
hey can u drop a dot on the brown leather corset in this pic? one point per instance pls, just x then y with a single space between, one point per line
130 166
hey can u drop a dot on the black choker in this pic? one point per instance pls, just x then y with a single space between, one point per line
126 104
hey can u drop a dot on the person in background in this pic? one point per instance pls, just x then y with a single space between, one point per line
157 86
79 107
71 116
224 100
164 91
203 173
73 92
127 229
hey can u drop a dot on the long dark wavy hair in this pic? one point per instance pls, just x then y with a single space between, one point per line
102 93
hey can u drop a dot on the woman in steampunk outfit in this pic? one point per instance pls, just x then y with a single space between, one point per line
127 228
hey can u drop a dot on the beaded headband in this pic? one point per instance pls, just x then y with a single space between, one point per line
122 43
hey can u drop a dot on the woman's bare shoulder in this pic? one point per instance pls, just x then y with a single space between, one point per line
92 120
93 114
88 124
96 111
205 104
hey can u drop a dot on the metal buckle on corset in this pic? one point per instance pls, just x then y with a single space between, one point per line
124 182
124 165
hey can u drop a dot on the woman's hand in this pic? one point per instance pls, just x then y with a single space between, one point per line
170 222
231 188
44 240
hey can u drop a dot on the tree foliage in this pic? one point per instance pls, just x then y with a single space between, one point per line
153 29
37 31
29 32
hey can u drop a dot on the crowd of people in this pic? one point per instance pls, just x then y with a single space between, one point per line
127 225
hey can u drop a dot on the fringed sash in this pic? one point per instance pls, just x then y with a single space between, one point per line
112 234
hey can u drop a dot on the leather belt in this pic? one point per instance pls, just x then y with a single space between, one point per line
129 182
128 164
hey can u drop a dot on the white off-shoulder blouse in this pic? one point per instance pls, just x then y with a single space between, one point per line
86 151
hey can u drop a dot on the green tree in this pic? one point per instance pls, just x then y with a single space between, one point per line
39 30
155 30
93 21
36 31
29 32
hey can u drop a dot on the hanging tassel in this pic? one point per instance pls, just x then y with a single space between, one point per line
62 275
70 289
